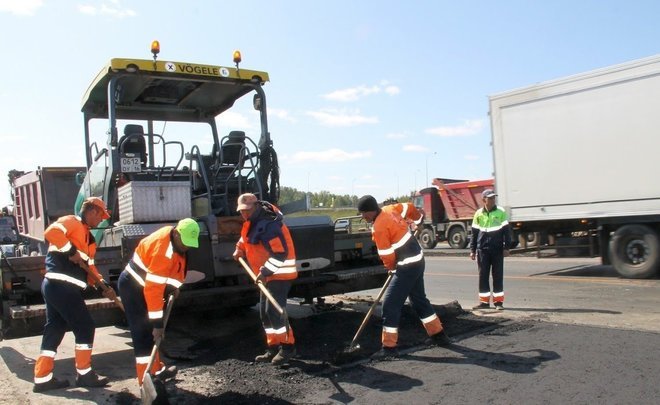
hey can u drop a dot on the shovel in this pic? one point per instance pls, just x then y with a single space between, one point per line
354 346
148 390
267 293
261 286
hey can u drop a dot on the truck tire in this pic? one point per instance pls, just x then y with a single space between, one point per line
528 239
427 239
635 251
457 238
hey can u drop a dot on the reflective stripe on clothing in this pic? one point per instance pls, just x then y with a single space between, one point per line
155 265
396 245
66 236
268 245
51 275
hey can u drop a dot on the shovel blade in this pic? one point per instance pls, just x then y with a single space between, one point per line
148 390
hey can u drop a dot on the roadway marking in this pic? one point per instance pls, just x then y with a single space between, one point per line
643 283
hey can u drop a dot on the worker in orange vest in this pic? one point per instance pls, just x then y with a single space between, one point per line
404 260
267 245
71 247
156 270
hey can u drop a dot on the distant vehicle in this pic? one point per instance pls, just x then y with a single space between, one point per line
449 207
575 160
342 225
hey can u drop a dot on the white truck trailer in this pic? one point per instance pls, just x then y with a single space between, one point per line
577 159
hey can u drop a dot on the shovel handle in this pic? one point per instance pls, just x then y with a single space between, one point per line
371 309
261 286
166 316
102 285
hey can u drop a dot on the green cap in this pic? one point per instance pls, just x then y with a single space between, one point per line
189 231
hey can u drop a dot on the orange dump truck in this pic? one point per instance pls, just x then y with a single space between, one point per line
449 206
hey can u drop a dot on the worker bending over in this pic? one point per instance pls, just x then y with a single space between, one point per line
72 247
404 260
156 270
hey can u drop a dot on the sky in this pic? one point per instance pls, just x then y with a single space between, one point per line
365 97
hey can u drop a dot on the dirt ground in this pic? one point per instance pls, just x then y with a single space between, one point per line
220 368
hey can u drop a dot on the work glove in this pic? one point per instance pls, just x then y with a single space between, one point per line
238 253
391 272
108 292
260 278
158 334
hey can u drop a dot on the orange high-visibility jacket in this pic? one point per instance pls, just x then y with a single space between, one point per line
407 211
396 245
66 236
156 266
267 244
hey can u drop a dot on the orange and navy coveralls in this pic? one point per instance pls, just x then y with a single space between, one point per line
154 272
62 289
269 250
401 254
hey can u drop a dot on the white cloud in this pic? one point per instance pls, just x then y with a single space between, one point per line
112 8
281 114
330 155
9 138
234 121
341 118
469 127
20 7
471 157
396 135
415 148
355 93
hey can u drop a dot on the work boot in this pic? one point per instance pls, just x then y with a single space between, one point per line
91 379
284 355
439 339
482 305
499 306
52 384
166 373
271 352
386 353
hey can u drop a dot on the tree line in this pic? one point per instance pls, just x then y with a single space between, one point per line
325 199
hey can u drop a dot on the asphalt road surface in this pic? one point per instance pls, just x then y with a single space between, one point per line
572 332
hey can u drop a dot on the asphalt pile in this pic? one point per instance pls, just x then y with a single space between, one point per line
219 367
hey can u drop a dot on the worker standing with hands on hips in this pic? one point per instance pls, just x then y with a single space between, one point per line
490 243
267 245
71 247
403 258
156 270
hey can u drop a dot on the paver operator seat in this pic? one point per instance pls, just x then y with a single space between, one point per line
133 142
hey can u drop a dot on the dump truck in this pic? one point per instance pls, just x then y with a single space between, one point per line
449 207
574 162
150 178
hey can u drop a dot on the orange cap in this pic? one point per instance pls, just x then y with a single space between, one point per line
100 204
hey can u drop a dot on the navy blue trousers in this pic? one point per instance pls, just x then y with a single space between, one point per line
65 308
490 262
132 296
407 282
270 318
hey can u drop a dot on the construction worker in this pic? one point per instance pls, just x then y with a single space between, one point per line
490 243
156 270
404 260
72 249
267 245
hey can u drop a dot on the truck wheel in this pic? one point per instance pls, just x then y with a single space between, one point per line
635 251
457 238
528 239
427 239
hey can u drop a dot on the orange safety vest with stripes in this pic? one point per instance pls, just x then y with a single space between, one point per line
267 244
159 269
396 245
66 236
